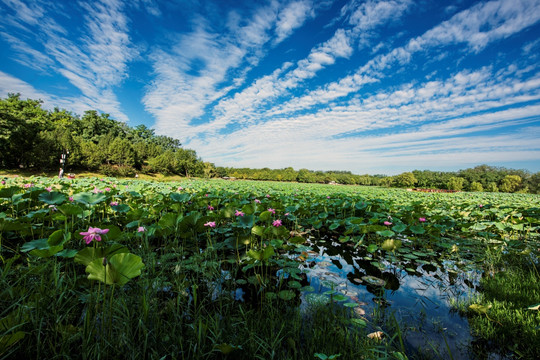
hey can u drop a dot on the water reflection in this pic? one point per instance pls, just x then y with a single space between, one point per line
417 297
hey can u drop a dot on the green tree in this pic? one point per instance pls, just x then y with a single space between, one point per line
92 154
534 183
456 183
121 153
94 126
492 187
305 176
510 183
476 186
406 179
21 121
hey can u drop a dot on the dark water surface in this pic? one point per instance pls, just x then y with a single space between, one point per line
419 298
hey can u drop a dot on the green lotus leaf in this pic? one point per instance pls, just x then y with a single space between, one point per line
417 229
121 208
52 198
286 294
89 254
257 230
265 216
58 238
70 209
67 253
89 198
119 269
168 220
8 192
179 198
372 248
41 248
386 233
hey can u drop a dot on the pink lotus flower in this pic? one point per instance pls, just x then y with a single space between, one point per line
257 201
71 198
328 197
211 224
49 189
387 223
480 206
210 207
422 219
114 203
93 234
107 189
180 188
287 214
277 223
273 211
29 185
206 195
239 213
141 229
3 182
267 195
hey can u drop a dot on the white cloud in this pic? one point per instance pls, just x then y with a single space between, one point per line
76 104
94 64
244 106
477 27
292 17
189 75
411 125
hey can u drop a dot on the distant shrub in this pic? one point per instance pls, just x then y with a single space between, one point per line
117 171
476 186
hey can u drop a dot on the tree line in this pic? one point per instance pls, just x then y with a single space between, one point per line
34 138
479 178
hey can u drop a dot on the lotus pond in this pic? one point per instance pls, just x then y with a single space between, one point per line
210 269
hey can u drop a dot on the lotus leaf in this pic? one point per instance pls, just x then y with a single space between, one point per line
119 269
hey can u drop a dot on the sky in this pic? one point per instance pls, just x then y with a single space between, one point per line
372 87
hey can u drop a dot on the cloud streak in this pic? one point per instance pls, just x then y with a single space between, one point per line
368 86
95 63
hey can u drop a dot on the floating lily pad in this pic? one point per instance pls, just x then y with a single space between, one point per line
317 299
286 294
372 280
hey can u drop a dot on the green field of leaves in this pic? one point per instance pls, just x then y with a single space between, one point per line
135 269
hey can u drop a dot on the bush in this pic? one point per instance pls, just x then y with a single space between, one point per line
117 171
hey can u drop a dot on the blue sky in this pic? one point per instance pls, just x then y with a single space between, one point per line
367 86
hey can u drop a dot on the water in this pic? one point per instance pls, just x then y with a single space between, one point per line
419 300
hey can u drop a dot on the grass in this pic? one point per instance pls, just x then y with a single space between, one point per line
499 313
162 316
86 174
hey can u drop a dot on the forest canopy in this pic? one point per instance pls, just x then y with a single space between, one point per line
32 137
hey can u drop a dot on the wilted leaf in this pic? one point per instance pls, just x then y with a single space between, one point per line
391 244
377 335
480 309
